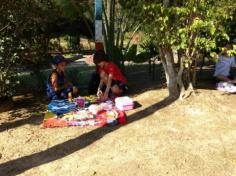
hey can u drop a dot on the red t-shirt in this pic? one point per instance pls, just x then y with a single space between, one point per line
115 71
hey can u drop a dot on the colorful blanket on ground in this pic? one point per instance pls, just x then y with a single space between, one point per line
84 118
61 106
62 113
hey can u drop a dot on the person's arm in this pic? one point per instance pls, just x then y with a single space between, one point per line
55 86
99 91
109 81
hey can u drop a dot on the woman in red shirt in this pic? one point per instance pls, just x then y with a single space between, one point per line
110 76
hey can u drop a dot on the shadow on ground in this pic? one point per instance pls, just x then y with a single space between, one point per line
25 110
35 119
20 165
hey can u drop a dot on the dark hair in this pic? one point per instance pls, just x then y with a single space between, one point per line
59 58
99 56
228 46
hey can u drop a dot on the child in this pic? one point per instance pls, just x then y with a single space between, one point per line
224 65
110 76
57 87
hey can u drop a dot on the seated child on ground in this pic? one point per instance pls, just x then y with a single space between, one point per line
224 65
110 76
57 86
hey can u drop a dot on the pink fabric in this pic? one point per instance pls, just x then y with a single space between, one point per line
126 108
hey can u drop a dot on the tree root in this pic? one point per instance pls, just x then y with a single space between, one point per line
184 94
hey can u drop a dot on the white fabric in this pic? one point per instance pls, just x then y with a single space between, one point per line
226 87
124 103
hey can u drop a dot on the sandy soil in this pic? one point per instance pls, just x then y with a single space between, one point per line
196 137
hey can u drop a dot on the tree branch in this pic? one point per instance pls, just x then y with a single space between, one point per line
4 28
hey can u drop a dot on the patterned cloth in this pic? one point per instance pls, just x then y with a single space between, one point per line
62 113
60 107
77 118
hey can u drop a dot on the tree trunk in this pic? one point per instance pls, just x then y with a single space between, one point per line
89 28
180 78
171 75
111 24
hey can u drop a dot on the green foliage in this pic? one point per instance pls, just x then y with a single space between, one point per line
190 27
148 50
26 28
23 39
73 9
120 20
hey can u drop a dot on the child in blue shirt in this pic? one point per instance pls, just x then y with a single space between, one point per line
57 86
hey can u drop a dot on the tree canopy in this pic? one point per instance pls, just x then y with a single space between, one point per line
26 28
181 32
188 28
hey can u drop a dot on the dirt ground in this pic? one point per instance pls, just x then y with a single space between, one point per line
195 137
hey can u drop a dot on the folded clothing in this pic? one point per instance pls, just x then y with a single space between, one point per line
226 87
95 108
78 115
60 107
124 103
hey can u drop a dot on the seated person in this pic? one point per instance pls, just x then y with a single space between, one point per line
110 76
57 86
224 65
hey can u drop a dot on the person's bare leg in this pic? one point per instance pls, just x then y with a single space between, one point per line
223 78
226 79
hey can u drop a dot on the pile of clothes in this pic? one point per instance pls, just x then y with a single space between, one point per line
226 87
86 111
